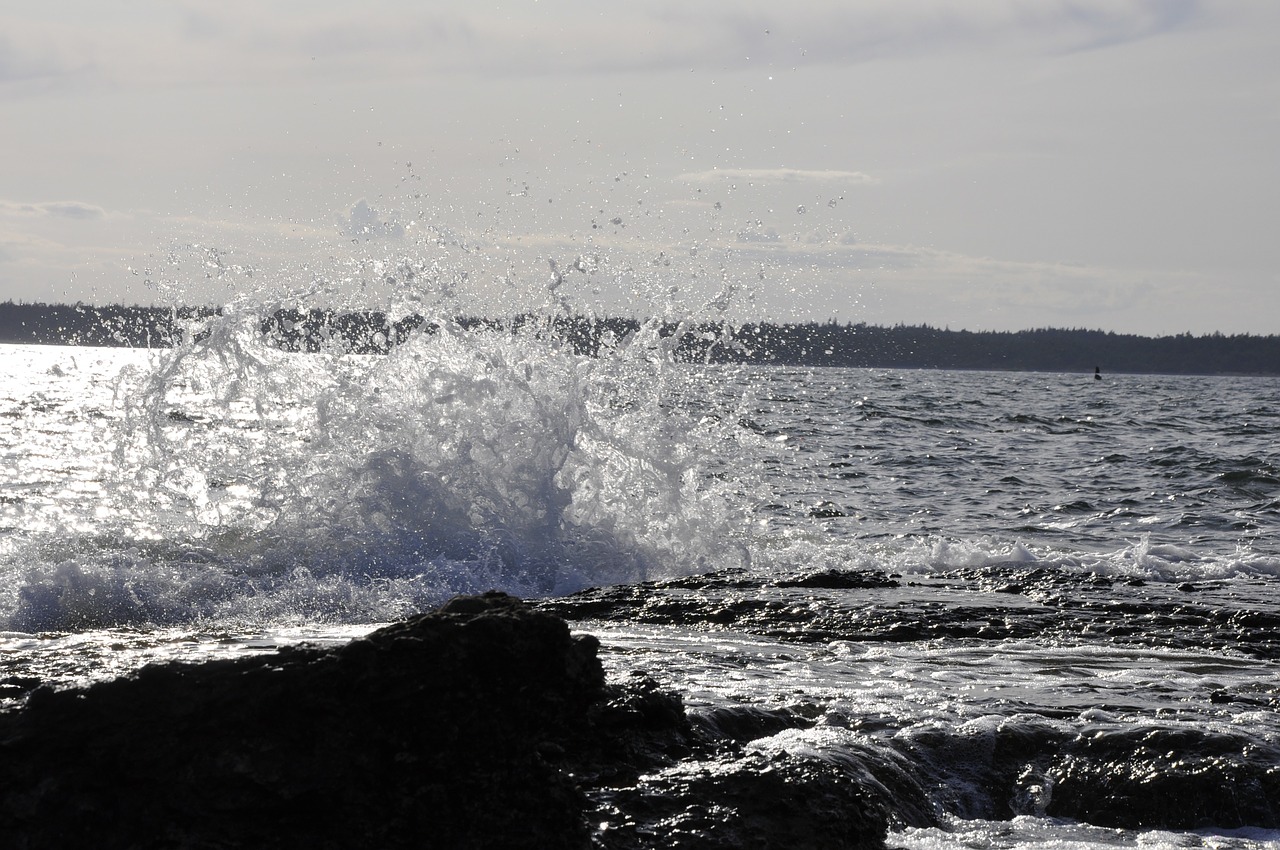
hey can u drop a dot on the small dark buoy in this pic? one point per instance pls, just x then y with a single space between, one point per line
1097 373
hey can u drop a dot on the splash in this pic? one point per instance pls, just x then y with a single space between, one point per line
264 470
252 484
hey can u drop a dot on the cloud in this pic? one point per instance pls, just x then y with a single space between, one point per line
1089 25
41 57
841 32
392 40
777 175
22 64
75 210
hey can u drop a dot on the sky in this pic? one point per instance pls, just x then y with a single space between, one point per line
986 164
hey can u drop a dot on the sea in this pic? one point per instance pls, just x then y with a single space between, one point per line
926 565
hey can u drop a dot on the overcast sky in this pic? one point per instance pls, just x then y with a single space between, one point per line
985 164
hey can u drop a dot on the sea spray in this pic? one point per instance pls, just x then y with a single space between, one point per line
251 484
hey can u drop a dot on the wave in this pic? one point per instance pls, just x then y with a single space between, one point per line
1105 773
253 484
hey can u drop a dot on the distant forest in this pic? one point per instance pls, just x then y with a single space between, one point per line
801 344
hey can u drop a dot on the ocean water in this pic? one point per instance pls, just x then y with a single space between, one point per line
985 584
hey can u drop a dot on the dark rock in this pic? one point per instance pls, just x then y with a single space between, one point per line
422 734
785 803
482 724
827 510
1171 778
748 722
16 686
1006 601
1129 776
840 580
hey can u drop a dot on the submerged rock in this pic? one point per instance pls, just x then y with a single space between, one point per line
482 724
996 602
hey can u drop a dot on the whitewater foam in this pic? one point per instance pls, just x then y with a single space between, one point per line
244 482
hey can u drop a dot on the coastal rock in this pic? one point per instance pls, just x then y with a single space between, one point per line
1168 777
1130 775
426 730
482 724
730 803
1002 601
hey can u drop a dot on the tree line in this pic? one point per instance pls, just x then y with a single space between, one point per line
795 344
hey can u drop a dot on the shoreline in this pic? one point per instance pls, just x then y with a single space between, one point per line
811 344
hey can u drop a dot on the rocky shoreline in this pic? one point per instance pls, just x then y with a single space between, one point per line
482 724
488 723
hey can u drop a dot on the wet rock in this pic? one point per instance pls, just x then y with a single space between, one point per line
1170 778
978 772
1132 776
782 803
16 686
482 724
425 733
748 722
993 602
840 580
827 510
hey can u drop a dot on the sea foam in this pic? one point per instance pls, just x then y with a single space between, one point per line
246 483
